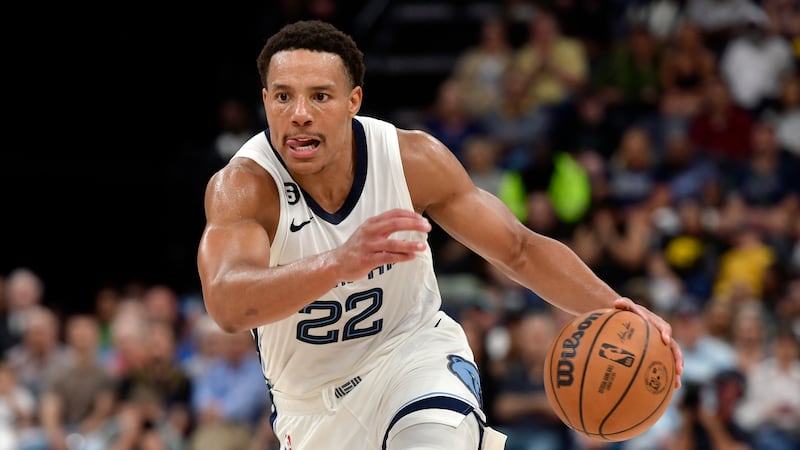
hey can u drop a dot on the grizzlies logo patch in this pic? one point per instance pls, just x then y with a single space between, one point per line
467 372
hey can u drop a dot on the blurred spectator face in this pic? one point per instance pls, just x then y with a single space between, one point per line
493 33
786 349
83 333
688 37
128 336
763 140
679 149
591 109
790 93
41 331
161 342
23 289
718 97
106 301
480 155
8 381
515 85
235 347
748 326
534 334
642 44
719 315
688 326
541 214
635 149
544 28
450 100
161 303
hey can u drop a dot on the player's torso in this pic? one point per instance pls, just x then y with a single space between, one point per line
358 321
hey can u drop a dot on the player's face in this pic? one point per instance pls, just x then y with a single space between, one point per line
310 102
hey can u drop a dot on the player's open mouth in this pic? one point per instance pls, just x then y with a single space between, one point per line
303 145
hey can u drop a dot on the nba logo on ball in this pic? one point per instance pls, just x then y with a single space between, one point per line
608 375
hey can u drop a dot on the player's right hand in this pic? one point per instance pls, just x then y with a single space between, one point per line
372 245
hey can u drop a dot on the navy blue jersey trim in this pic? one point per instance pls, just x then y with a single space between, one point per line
438 402
359 179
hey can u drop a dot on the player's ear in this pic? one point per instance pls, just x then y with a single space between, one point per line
356 96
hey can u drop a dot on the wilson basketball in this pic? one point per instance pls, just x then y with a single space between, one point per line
608 375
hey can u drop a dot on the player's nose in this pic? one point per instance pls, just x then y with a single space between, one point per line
300 113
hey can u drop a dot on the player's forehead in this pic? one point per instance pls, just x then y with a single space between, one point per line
300 68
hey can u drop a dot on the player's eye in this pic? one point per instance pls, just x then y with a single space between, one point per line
320 97
282 96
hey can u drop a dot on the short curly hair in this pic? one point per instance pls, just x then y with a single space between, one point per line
314 35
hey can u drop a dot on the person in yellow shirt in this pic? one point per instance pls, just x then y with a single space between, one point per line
556 65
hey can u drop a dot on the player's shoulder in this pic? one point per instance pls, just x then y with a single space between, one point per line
241 175
421 146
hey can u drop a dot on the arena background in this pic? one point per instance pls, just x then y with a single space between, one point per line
112 110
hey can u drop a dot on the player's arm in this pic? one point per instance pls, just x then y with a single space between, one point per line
441 188
240 289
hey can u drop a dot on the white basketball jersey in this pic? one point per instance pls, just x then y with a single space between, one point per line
351 328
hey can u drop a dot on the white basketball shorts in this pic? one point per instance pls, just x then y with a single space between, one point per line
431 378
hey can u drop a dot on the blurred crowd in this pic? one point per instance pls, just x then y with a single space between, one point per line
146 368
661 144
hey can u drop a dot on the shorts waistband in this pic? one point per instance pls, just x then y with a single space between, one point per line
327 399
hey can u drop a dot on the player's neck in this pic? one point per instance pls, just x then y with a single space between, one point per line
331 186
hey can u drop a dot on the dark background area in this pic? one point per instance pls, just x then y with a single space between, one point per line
113 114
111 111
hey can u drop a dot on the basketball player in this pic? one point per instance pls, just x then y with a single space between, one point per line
315 242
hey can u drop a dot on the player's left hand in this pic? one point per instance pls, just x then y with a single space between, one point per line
662 326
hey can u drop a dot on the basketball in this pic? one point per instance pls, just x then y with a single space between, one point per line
608 375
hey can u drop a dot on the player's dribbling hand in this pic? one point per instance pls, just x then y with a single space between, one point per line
661 325
372 245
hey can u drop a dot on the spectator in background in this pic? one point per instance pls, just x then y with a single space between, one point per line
154 398
632 170
707 416
106 300
687 65
749 334
40 354
743 266
628 77
230 397
17 409
449 119
555 66
661 17
784 114
24 291
77 405
481 159
236 125
128 334
721 130
480 68
720 20
691 249
585 127
719 314
521 406
517 122
705 355
769 186
6 337
753 63
614 245
771 406
684 173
